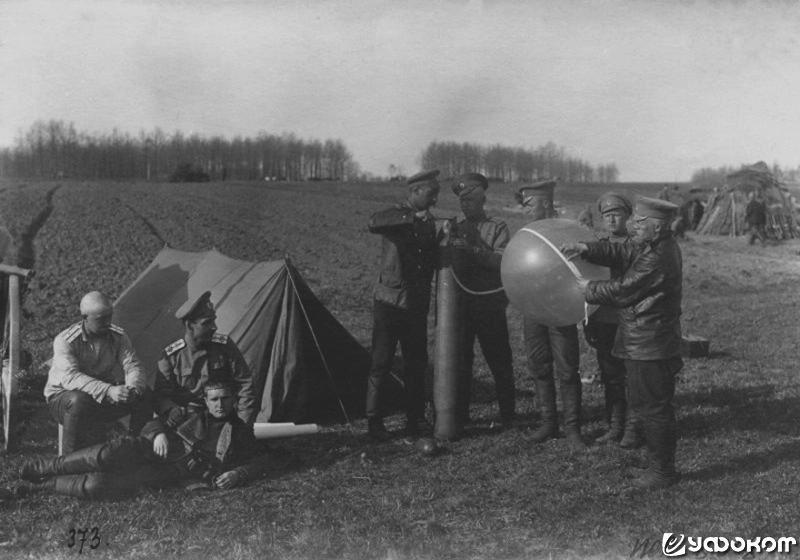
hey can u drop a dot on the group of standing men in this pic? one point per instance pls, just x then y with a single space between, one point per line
636 332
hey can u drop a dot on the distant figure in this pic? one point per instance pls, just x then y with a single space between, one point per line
678 227
695 212
401 299
585 218
664 194
755 218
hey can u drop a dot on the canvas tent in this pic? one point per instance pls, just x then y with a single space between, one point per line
307 366
724 212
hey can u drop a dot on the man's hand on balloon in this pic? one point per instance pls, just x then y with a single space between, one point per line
572 250
582 283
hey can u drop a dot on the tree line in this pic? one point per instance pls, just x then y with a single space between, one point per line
53 149
502 163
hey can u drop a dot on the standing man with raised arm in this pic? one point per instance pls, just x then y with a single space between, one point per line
402 297
482 240
649 294
95 377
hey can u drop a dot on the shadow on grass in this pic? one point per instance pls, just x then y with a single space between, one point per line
742 408
750 463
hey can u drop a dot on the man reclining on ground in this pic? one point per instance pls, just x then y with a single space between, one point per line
211 449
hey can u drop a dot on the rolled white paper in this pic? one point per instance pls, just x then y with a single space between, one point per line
269 430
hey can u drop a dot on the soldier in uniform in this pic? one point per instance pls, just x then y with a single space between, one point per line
601 329
95 377
211 448
482 240
202 355
552 352
401 300
648 338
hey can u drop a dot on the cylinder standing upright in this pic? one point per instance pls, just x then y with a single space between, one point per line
447 360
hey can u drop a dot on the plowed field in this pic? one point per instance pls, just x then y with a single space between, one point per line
492 494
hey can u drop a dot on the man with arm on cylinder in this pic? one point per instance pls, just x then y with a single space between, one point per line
552 352
401 299
95 377
648 338
482 240
201 356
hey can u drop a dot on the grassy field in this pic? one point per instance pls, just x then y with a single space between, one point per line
491 494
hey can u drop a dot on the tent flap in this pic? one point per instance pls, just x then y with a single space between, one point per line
307 366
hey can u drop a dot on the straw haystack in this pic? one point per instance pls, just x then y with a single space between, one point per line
724 212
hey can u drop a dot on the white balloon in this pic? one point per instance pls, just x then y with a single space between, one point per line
540 281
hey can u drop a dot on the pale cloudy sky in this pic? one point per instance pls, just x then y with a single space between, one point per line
661 88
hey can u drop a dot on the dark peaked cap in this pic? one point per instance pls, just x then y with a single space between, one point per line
527 193
196 309
468 182
423 178
655 208
614 201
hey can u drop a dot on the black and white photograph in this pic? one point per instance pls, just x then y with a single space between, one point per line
411 280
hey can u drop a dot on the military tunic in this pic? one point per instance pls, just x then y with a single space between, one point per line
183 372
401 301
485 315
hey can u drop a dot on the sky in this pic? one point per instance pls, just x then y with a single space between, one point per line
659 88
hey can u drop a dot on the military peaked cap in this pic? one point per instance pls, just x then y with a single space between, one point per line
527 193
614 201
197 308
655 208
468 182
423 178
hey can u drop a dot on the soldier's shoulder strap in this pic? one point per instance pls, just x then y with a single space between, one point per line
174 347
220 338
73 332
116 329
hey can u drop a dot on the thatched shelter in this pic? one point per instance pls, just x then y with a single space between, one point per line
724 212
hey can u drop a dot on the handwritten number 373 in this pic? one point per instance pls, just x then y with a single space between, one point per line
94 541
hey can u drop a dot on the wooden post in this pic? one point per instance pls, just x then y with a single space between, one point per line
11 368
9 382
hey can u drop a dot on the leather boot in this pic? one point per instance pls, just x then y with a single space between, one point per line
632 438
90 459
506 398
571 402
24 488
547 408
661 444
615 414
376 430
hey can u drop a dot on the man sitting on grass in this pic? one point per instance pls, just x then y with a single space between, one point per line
210 449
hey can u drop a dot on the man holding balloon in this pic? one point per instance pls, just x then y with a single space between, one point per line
649 334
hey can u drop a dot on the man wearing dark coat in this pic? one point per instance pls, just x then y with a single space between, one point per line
401 299
755 216
481 241
212 448
649 334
